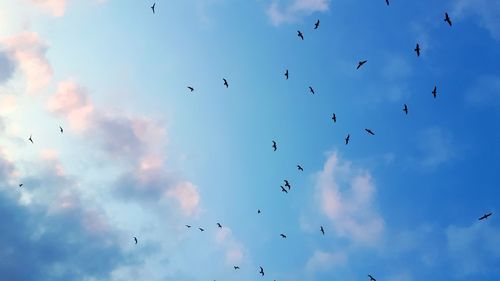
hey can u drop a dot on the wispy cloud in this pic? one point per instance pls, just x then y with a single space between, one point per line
325 261
55 7
485 11
437 147
484 92
292 11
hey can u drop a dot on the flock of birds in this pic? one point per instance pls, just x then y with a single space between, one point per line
286 187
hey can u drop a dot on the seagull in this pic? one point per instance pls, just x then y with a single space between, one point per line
258 211
236 267
283 189
347 139
360 63
153 7
311 90
135 239
316 25
20 185
447 18
190 88
261 271
434 92
387 2
219 225
405 109
287 184
275 146
225 83
283 235
61 129
485 216
201 229
300 168
370 132
286 74
31 139
371 278
334 118
322 230
188 226
300 34
417 49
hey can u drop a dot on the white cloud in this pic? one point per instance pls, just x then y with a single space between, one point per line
485 91
294 10
437 147
486 11
324 261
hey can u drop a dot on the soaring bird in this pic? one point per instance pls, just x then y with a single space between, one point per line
236 267
360 63
370 132
275 146
371 278
135 239
201 229
334 118
311 90
190 88
322 230
485 216
261 271
61 129
300 34
21 185
188 226
347 139
417 50
153 7
258 211
387 2
447 18
283 189
225 82
219 225
287 184
286 74
283 235
316 25
434 92
300 168
405 109
31 139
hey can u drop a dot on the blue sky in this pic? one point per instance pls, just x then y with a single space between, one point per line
142 156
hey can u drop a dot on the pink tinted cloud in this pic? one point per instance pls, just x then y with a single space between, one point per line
55 7
187 196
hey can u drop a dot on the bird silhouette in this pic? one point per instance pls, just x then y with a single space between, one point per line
258 211
371 278
347 139
322 230
31 139
485 216
275 146
334 118
153 7
360 63
236 267
261 271
225 83
311 90
370 132
283 235
190 88
300 168
447 19
300 34
201 229
61 129
21 185
316 25
135 239
434 92
287 184
283 189
219 225
188 226
387 2
405 109
286 74
417 50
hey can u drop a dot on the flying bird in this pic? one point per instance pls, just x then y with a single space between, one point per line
275 146
201 229
371 278
225 83
135 239
370 132
360 63
334 118
258 211
283 235
387 2
434 92
153 7
61 129
31 139
283 189
300 34
311 90
261 271
447 19
485 216
417 50
405 109
286 74
322 230
287 184
300 168
21 185
236 267
219 225
188 226
347 139
190 88
316 25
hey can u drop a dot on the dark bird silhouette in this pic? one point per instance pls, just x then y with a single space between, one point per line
258 211
334 118
370 132
347 139
434 92
447 19
287 184
275 146
201 229
360 63
405 109
135 239
286 74
190 88
371 278
417 50
31 139
300 168
387 2
283 235
236 267
219 225
225 83
61 129
153 7
322 230
311 90
261 271
485 216
300 34
21 185
316 25
188 226
283 189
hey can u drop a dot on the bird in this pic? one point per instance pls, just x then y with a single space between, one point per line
225 83
347 139
287 184
360 63
153 7
283 189
434 92
417 50
258 211
236 267
286 74
31 139
21 185
371 278
316 25
190 88
261 271
485 216
447 19
370 132
300 168
135 239
61 129
334 118
322 230
311 90
405 109
275 146
387 2
300 34
219 225
201 229
188 226
283 235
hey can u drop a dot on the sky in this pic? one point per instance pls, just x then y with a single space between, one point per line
142 156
